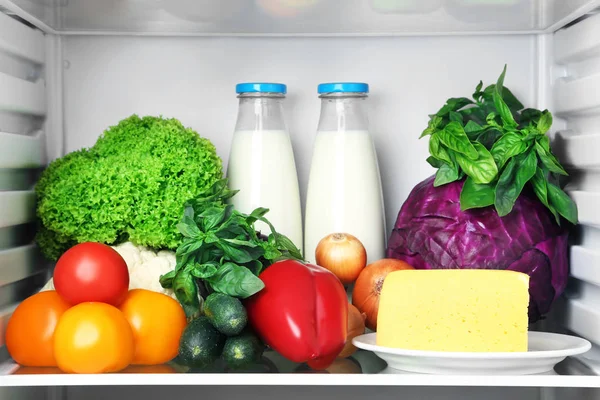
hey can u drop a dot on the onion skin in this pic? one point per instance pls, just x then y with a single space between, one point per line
342 254
356 327
368 286
345 366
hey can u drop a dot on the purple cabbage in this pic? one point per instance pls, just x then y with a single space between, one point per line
431 232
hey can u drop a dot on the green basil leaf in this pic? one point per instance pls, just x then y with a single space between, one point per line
185 289
489 137
272 253
542 146
284 243
503 109
166 280
256 214
518 172
217 194
235 254
236 281
473 127
229 209
473 130
434 122
509 145
545 122
475 114
434 162
530 133
488 92
511 100
266 221
540 188
214 216
526 168
491 120
231 231
250 248
204 271
437 150
453 104
188 220
530 116
237 224
218 187
188 228
178 264
446 174
189 212
238 242
239 253
428 131
456 117
562 203
454 137
211 237
211 254
477 94
187 249
483 170
474 195
513 103
255 266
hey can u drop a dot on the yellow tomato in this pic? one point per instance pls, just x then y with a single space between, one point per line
93 338
157 322
30 329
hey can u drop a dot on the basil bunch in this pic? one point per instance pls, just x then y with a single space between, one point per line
222 250
499 146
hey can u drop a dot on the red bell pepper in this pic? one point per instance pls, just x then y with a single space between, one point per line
302 313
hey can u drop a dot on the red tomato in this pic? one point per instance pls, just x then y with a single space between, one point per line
91 272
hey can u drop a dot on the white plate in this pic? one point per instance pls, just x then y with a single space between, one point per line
545 351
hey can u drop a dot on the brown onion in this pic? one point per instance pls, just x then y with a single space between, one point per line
342 254
345 366
367 288
356 327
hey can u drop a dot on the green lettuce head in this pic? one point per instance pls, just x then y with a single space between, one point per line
130 186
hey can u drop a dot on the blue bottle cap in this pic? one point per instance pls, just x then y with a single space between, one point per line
343 87
261 87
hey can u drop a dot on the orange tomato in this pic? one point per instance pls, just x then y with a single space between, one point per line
30 328
93 338
157 321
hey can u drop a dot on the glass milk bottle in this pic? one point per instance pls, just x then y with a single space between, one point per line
344 188
261 162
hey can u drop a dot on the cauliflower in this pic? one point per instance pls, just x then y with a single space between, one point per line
145 267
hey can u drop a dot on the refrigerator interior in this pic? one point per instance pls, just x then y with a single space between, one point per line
71 68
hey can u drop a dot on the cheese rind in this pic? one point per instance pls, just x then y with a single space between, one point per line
454 310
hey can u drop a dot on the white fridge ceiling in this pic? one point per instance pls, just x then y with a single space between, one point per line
299 17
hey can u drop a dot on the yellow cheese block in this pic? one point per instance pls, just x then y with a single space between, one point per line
454 310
